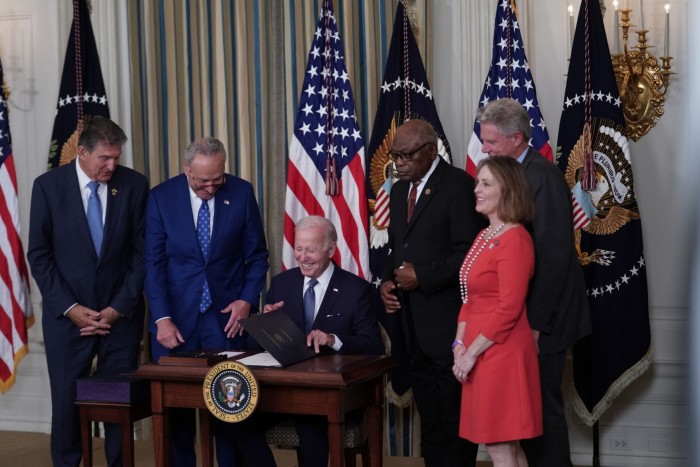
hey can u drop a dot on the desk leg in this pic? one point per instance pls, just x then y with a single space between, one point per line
162 451
86 435
336 443
205 438
375 435
161 440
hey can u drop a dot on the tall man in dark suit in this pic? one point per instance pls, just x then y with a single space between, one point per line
557 306
86 254
433 223
333 307
206 262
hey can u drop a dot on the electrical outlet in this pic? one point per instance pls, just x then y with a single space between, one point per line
620 444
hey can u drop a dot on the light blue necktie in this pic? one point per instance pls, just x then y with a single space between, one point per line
203 221
309 305
94 216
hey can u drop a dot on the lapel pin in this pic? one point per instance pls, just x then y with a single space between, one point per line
427 191
114 192
335 290
226 202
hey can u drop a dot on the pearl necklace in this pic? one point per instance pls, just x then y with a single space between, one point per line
472 254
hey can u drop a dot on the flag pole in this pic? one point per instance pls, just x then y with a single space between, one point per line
596 445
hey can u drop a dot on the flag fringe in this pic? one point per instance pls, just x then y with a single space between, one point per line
401 401
615 389
378 237
19 355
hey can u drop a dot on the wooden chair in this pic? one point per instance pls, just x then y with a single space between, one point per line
284 435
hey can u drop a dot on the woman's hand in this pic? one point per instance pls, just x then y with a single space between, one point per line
464 364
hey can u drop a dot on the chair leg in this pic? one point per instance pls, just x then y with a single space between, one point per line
364 454
299 461
351 457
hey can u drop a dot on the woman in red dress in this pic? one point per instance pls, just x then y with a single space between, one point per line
494 350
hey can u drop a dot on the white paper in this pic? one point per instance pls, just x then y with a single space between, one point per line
260 359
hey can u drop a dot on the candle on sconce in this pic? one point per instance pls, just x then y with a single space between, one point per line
571 24
666 28
641 14
616 30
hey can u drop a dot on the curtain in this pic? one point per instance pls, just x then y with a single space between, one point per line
233 70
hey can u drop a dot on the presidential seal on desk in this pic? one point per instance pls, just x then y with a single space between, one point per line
231 391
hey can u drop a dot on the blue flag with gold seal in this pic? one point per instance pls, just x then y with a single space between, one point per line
82 92
594 154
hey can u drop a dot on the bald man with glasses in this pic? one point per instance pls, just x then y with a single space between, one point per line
432 225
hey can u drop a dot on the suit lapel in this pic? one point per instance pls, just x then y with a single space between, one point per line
528 157
401 188
330 298
74 198
182 210
114 204
296 305
429 190
222 212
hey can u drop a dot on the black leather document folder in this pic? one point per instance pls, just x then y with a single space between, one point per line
278 334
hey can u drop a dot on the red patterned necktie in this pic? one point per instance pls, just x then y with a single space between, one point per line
412 199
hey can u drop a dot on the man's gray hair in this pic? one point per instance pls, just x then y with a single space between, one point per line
507 115
311 222
207 146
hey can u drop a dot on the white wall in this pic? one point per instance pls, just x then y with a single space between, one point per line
33 40
650 414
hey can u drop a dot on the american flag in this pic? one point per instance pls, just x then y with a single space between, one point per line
15 304
326 170
509 76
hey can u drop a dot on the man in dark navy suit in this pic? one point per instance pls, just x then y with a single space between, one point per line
339 319
86 254
343 320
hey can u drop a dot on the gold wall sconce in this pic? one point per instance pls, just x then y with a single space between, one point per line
641 79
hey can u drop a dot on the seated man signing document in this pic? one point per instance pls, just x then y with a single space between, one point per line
333 308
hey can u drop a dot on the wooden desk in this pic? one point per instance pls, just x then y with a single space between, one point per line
111 412
329 385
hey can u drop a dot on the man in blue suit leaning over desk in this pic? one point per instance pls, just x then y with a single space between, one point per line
206 262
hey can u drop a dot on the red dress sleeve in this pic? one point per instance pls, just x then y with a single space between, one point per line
514 264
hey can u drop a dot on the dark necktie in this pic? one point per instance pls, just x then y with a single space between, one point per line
94 216
309 305
203 238
412 199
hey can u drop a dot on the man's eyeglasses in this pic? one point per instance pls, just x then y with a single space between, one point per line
202 183
407 156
